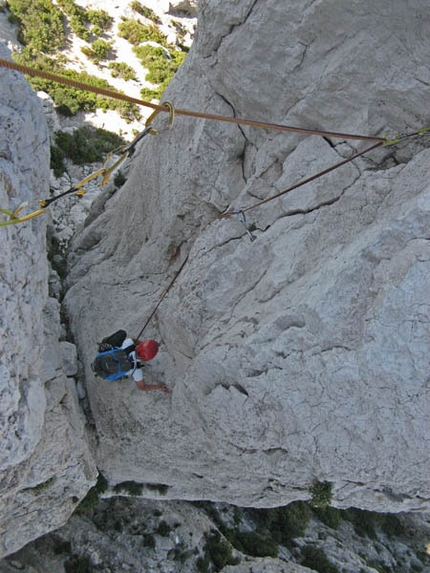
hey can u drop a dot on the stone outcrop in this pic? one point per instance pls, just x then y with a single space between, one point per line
45 463
302 356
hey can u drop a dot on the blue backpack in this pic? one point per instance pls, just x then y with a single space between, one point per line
112 364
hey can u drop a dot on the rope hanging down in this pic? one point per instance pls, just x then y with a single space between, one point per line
172 282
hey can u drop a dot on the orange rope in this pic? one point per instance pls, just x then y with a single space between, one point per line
116 95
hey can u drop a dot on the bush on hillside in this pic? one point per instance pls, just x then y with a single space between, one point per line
86 145
145 11
122 70
41 25
80 19
136 32
100 18
160 68
69 100
316 559
98 51
284 523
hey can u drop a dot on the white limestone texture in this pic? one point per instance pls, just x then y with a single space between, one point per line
45 463
301 357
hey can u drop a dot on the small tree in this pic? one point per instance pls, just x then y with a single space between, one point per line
322 494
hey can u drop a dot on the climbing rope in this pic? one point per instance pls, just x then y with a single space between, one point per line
240 214
301 183
105 172
386 142
127 150
163 295
185 112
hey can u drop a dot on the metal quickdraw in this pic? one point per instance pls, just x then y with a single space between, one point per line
125 150
105 172
242 218
405 136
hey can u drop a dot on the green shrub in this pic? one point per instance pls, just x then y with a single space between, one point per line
131 487
136 32
180 553
149 541
119 179
160 68
254 544
331 516
90 501
79 28
42 486
160 488
148 94
96 31
144 11
40 25
69 100
217 551
61 546
364 522
391 525
86 145
202 565
122 70
99 50
99 18
316 559
284 523
322 494
92 498
78 19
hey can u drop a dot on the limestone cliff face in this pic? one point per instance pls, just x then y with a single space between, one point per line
44 458
302 356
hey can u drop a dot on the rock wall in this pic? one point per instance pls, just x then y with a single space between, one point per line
302 356
45 462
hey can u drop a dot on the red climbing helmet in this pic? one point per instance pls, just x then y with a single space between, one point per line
147 350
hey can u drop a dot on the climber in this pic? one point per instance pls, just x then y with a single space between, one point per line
119 357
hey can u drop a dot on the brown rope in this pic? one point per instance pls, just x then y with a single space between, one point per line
172 282
305 181
116 95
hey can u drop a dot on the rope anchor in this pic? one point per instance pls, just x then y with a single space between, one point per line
242 218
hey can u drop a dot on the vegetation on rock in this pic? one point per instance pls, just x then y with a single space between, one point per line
161 68
99 50
122 70
40 25
84 145
136 32
145 11
322 494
